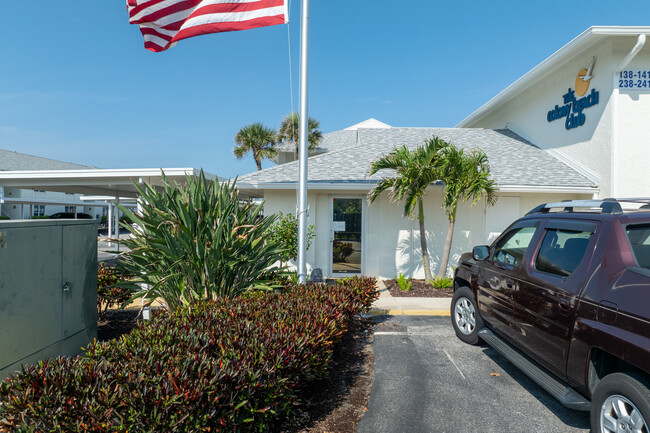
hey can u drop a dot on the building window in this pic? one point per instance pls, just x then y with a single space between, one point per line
39 210
69 209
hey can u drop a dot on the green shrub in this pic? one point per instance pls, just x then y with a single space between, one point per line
341 250
441 282
109 294
224 365
197 241
4 217
285 232
364 290
405 284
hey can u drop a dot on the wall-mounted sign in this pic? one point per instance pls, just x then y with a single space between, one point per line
339 226
574 101
634 79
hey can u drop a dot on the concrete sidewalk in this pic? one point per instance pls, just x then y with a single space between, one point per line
405 306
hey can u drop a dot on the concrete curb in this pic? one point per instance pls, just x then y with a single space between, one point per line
408 312
388 305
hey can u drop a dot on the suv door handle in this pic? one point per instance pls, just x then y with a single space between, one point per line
565 305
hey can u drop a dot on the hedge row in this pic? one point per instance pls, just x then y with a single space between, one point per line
227 365
108 294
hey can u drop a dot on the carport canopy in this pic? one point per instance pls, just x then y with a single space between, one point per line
111 183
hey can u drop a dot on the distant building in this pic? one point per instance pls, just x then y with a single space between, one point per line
18 203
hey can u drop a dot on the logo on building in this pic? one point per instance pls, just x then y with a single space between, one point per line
574 101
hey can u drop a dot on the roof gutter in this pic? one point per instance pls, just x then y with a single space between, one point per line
640 42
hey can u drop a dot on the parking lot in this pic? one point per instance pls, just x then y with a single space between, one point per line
426 380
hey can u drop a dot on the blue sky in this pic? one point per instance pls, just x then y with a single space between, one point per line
77 85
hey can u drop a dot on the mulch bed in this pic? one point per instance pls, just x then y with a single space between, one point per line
419 289
334 404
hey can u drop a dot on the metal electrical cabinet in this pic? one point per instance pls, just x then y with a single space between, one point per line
48 290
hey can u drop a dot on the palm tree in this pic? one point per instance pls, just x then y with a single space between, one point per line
466 177
259 140
416 170
289 131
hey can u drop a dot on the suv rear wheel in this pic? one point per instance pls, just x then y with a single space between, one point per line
464 315
621 403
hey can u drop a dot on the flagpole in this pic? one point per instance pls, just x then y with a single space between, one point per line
303 148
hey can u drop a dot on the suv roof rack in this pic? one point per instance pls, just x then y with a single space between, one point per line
606 206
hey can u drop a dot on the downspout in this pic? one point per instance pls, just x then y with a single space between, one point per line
614 189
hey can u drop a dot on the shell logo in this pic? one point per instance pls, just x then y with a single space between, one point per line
583 79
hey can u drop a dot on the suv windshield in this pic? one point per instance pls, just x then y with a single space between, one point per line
639 237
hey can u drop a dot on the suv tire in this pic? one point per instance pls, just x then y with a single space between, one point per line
621 400
464 315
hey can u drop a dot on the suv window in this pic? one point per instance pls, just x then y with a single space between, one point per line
511 248
562 251
639 237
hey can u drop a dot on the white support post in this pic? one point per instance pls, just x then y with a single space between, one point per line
110 222
117 223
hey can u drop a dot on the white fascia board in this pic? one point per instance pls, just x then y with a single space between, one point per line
94 173
551 62
365 186
548 189
93 176
54 202
311 186
105 198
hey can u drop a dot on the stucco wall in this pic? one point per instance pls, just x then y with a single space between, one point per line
391 242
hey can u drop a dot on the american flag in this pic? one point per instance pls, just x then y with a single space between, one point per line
165 22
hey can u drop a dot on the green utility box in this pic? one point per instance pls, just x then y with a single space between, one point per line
48 290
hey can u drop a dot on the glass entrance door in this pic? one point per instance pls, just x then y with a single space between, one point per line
346 242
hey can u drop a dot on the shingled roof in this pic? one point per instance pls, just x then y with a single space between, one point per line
11 161
513 160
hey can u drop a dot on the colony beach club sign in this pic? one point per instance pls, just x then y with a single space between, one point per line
573 106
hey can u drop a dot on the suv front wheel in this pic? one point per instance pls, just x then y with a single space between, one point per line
464 315
621 403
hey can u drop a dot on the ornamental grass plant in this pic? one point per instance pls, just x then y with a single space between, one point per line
196 241
224 365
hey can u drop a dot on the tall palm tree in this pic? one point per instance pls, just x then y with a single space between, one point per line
257 139
416 170
466 177
289 131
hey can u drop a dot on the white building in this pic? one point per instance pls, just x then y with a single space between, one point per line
19 203
574 127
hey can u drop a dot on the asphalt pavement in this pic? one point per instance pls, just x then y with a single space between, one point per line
427 380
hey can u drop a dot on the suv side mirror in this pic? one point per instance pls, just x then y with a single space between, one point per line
481 252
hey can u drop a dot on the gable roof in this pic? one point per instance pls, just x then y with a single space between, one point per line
337 140
590 36
12 161
514 161
370 123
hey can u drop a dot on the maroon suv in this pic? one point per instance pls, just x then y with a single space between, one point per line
564 294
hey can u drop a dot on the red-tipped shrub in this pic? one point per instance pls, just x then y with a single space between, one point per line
227 365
